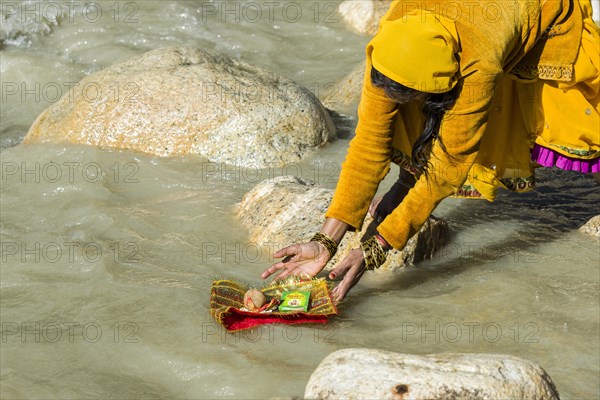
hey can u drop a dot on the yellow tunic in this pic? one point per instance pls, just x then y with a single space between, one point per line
505 52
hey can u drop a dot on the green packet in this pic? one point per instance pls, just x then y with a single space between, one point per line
294 301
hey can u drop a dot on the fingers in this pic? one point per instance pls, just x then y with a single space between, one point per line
298 259
353 258
294 269
287 251
349 281
373 205
372 210
291 254
352 269
341 269
289 264
272 269
284 274
336 296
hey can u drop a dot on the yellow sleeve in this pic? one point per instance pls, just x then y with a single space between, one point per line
368 158
461 133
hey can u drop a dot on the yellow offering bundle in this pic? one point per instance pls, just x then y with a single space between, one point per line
290 301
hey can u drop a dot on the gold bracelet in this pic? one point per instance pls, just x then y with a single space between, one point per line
373 253
327 242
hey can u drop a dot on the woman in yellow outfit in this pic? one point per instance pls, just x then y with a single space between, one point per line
468 97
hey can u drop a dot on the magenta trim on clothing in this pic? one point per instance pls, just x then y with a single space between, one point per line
550 158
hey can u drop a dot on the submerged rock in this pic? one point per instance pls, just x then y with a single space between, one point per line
592 227
363 16
376 374
286 210
175 101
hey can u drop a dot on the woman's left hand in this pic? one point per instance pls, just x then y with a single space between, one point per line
352 269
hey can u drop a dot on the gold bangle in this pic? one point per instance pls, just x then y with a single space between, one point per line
327 242
373 253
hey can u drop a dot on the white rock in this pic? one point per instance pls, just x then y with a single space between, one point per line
363 16
284 210
345 97
374 374
592 227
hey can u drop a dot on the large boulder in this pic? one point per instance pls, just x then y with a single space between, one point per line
592 227
363 16
348 91
175 101
286 210
375 374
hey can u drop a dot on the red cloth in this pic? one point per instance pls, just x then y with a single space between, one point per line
227 300
237 320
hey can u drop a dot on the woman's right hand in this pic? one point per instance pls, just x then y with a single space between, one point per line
299 259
